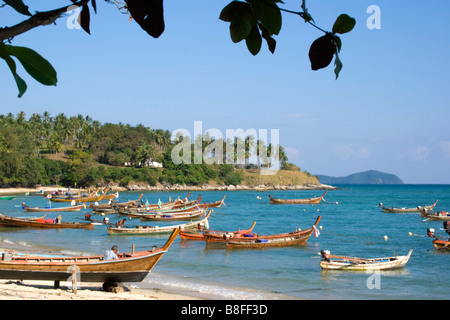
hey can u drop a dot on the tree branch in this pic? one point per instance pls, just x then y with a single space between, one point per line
38 19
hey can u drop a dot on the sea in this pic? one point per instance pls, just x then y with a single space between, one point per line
352 224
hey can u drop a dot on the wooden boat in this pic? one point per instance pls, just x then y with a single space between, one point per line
332 262
315 200
217 204
405 210
7 197
297 237
199 234
129 267
189 215
60 209
171 204
439 243
160 229
112 204
42 223
89 198
439 215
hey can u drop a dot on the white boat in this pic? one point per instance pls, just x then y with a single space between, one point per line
332 262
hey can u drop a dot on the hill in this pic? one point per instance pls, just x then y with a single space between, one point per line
253 178
366 177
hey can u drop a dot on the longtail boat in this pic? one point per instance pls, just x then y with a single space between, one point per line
217 204
111 204
332 262
439 215
57 209
89 198
171 204
8 221
129 267
314 200
160 229
7 197
439 243
170 216
297 237
406 210
199 234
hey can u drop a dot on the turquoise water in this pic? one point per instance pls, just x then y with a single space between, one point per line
351 223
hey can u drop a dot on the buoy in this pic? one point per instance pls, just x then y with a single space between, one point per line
410 233
385 237
320 227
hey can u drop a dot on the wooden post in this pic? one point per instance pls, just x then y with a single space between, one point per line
132 249
56 285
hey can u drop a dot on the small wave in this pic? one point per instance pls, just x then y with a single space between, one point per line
204 289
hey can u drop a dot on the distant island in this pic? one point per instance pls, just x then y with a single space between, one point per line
366 177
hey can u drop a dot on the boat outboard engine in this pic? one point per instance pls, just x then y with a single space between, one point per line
430 232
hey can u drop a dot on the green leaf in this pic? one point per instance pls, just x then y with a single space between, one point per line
229 11
241 24
254 41
338 42
271 43
337 65
36 66
343 24
21 85
321 52
19 6
84 19
269 15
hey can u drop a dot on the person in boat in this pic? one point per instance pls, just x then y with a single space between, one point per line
111 254
121 223
58 219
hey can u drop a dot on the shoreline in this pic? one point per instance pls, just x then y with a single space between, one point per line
176 187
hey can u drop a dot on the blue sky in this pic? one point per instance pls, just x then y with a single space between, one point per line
388 111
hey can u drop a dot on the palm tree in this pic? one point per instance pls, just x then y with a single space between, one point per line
250 144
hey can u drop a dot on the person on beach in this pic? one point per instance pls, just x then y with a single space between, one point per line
111 254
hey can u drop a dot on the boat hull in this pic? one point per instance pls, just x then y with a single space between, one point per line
130 267
299 237
367 265
315 200
441 244
36 223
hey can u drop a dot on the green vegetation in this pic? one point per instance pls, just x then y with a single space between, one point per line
79 151
366 177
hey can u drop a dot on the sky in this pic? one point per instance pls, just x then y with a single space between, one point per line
387 111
